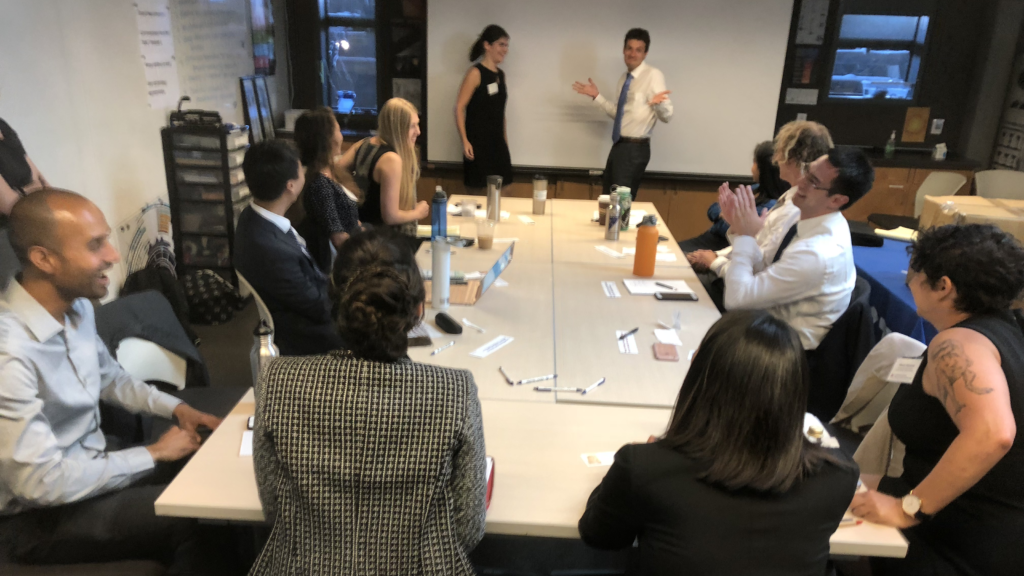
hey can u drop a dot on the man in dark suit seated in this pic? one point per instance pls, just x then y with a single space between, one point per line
272 256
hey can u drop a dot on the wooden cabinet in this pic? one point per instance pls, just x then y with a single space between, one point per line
895 191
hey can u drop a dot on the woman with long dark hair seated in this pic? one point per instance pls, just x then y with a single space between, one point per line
367 462
734 486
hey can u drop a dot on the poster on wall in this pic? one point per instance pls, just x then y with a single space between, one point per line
156 44
1009 148
263 37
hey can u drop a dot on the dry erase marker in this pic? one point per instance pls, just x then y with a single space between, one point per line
537 379
630 333
556 389
592 386
448 345
664 286
510 381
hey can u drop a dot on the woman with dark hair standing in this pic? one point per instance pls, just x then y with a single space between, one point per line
734 486
332 215
768 185
480 112
960 499
367 462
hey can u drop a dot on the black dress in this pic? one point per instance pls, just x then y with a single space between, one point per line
366 162
485 129
328 210
982 531
687 526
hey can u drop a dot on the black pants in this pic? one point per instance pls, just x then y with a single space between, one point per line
715 287
626 164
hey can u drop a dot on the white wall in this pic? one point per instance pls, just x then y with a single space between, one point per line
722 60
73 87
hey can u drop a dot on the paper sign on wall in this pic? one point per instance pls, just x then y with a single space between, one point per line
157 46
802 96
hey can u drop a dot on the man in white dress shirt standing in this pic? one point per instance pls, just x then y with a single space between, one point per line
641 100
811 277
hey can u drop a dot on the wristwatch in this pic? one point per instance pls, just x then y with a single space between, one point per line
911 504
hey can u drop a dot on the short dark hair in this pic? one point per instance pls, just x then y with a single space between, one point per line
380 290
856 175
984 263
32 222
268 167
638 34
740 411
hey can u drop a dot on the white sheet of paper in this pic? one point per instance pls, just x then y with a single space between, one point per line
609 251
631 250
667 337
500 283
526 219
665 257
483 214
611 289
627 345
648 287
246 449
598 459
474 275
904 370
491 347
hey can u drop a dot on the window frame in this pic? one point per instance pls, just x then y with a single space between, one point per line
918 9
358 122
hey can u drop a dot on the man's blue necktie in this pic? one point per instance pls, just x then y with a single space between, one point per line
617 127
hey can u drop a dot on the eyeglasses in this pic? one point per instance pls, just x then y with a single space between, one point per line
805 171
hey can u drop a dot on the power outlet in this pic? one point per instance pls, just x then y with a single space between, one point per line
937 125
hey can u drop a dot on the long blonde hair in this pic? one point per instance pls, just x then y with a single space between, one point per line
803 141
393 124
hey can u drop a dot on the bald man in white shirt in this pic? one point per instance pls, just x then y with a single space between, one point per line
640 101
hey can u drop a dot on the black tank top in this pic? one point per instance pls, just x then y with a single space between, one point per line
366 162
982 531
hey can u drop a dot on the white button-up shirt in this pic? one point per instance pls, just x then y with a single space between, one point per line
780 219
809 287
52 377
639 117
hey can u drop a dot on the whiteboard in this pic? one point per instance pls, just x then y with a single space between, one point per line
722 59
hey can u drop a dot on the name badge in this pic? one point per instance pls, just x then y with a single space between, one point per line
904 370
492 88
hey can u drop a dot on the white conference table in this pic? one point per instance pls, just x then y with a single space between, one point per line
561 320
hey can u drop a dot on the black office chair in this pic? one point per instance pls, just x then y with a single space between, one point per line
835 361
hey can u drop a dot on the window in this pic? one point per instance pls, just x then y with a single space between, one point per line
878 57
349 69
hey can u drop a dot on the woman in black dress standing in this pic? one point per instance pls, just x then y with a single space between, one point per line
480 112
18 177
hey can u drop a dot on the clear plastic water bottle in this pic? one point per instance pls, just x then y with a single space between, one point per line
440 252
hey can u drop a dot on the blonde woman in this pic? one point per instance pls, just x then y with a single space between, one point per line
386 169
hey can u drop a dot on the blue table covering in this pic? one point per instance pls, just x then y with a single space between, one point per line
892 304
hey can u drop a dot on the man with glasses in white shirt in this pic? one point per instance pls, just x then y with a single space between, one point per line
811 277
641 100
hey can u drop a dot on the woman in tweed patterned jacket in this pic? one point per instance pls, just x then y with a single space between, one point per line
367 462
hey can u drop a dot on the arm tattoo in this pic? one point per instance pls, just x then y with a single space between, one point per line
952 365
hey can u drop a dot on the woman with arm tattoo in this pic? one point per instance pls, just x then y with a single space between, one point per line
960 500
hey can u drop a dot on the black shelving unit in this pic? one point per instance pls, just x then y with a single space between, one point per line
207 192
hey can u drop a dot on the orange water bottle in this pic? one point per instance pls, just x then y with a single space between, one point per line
646 247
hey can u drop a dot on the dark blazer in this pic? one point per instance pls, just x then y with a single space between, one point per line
687 526
289 282
368 467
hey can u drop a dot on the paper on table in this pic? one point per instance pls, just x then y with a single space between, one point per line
611 289
627 345
598 459
474 275
246 449
526 219
632 249
500 282
667 337
609 251
483 214
651 286
505 240
669 257
491 347
424 329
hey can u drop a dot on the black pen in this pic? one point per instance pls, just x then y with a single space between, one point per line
664 286
630 333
